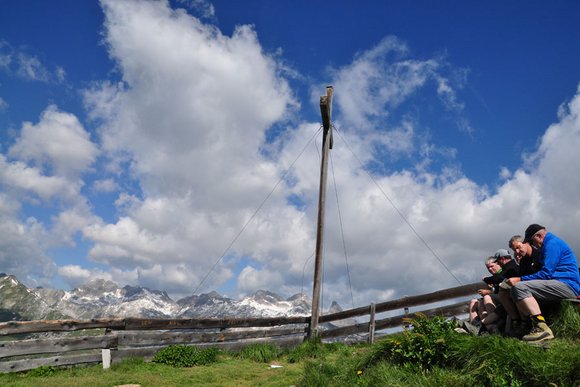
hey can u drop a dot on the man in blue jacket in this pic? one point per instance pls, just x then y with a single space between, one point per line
556 280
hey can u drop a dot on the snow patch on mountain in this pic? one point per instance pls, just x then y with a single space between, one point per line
105 299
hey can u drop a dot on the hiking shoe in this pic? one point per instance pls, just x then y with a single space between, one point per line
541 331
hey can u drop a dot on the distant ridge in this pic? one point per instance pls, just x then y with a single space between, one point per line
100 298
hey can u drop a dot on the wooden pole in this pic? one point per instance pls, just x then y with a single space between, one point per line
326 113
372 324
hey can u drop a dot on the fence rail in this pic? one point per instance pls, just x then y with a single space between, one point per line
114 339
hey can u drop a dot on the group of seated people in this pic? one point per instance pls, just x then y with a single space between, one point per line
543 270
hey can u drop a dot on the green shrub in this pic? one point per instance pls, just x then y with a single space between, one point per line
425 345
260 352
185 356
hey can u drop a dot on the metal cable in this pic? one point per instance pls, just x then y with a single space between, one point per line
396 209
341 229
256 212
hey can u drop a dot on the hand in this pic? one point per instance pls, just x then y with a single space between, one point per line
484 292
513 281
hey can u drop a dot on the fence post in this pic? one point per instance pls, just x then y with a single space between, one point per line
407 326
106 356
372 324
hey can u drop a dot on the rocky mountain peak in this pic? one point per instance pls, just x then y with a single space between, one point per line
101 298
267 296
96 286
334 308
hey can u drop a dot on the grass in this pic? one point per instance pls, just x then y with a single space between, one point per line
228 371
430 354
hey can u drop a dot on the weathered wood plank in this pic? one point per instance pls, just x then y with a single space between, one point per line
19 327
447 311
400 303
56 361
64 344
395 321
148 324
140 338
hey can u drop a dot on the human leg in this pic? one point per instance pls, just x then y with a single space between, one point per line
509 305
473 310
527 295
488 305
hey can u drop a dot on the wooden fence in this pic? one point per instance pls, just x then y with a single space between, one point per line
25 345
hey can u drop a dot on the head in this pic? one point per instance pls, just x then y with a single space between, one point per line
492 265
521 249
535 235
502 256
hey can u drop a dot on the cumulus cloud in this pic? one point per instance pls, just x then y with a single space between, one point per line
43 169
18 176
202 197
23 245
58 141
190 115
380 79
189 118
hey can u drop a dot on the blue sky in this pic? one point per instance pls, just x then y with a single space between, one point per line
138 138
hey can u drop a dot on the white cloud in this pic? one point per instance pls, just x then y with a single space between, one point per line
183 134
190 117
43 171
26 66
22 245
205 9
58 141
380 79
105 185
29 67
72 220
17 176
251 279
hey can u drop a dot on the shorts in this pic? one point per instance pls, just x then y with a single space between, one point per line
542 290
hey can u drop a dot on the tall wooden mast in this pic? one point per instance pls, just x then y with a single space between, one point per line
326 112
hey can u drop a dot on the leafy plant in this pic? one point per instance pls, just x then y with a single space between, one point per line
185 356
42 371
424 345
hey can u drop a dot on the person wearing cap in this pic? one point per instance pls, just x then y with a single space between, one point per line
509 268
557 279
480 309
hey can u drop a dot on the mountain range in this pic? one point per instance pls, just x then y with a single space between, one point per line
100 298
